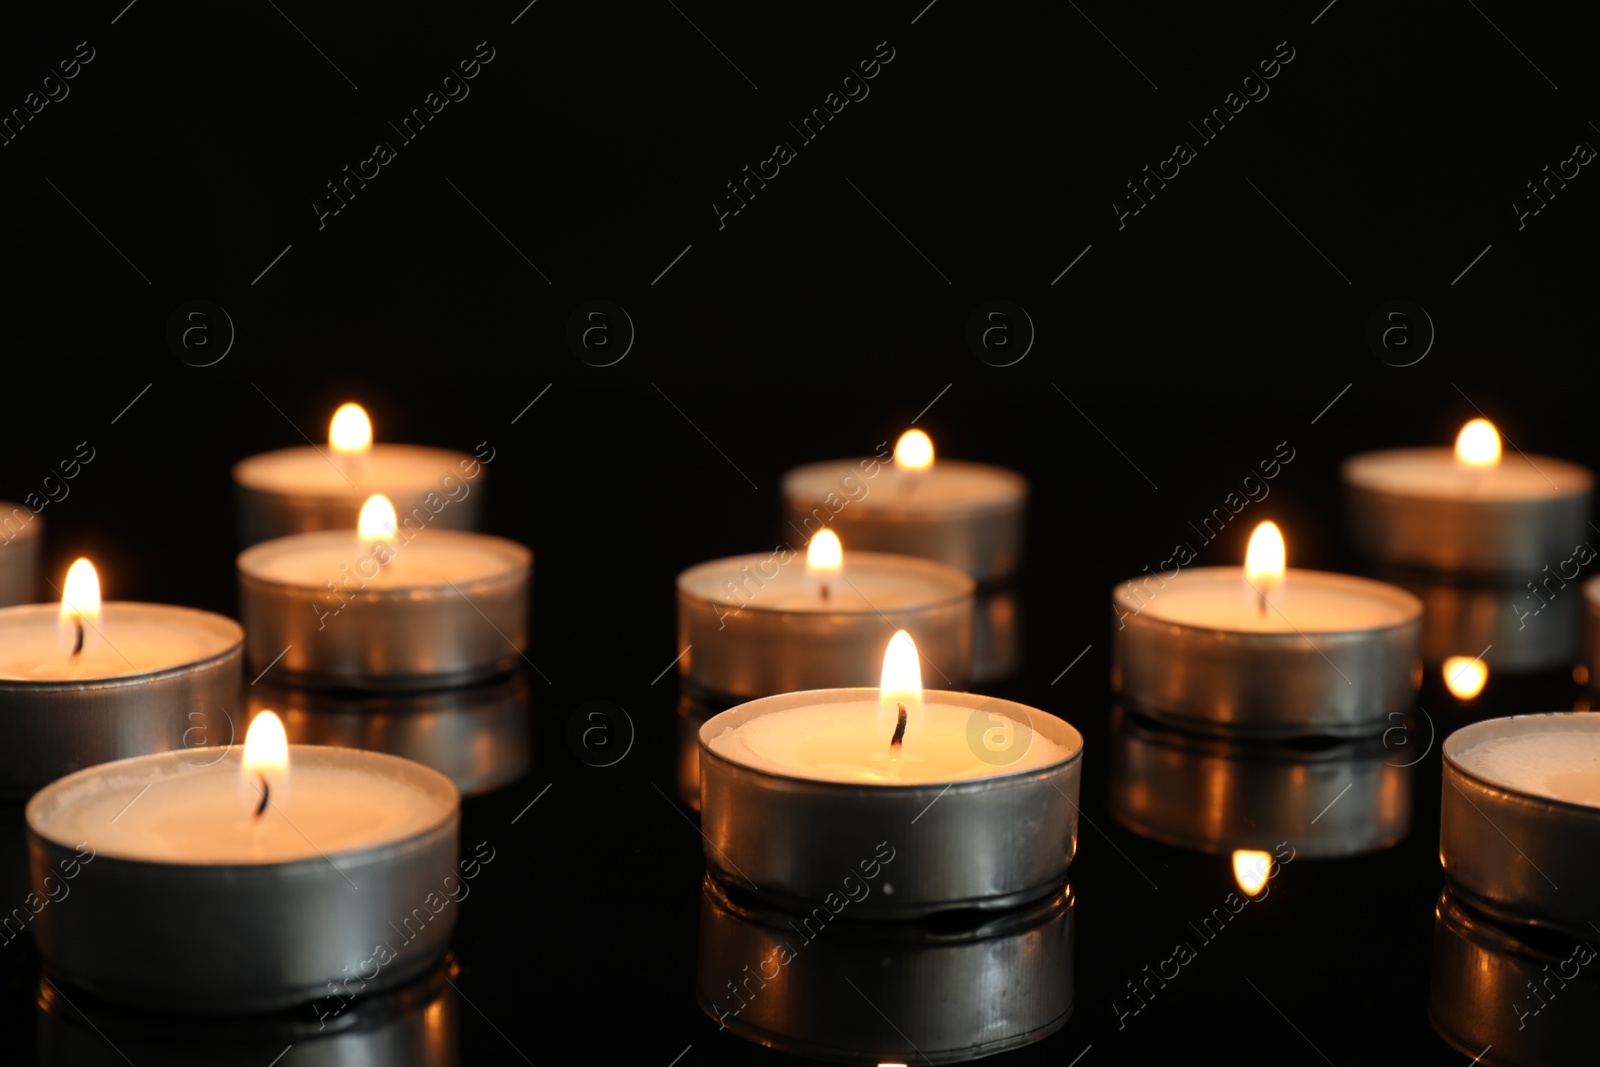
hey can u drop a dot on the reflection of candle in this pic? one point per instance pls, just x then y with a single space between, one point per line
1469 510
299 490
86 682
425 606
794 785
1520 824
969 515
20 529
760 624
305 889
1271 650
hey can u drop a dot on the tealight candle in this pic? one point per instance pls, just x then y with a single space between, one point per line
977 797
1520 822
20 539
302 866
383 607
761 624
1266 651
1473 510
87 682
301 490
969 515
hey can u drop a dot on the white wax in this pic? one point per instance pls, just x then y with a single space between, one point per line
1218 598
193 814
950 485
401 472
1561 764
840 742
134 639
433 558
1436 474
870 582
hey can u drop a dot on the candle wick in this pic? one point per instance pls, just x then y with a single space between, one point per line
77 645
265 794
1261 595
899 732
824 591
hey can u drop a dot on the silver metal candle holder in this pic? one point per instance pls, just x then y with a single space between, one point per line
21 541
1510 627
421 637
55 727
204 938
1215 795
785 980
985 843
1522 858
1252 684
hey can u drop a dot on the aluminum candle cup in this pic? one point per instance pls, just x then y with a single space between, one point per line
183 899
1334 654
155 666
417 1025
479 736
20 540
1213 795
969 515
1491 987
1521 816
757 625
798 792
996 636
1506 625
441 609
775 979
302 490
1421 507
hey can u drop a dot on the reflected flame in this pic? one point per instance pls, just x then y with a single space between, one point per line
824 556
377 522
1250 870
901 687
264 774
914 451
1478 444
350 431
79 623
1264 560
1465 676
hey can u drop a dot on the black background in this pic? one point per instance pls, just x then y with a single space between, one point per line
816 323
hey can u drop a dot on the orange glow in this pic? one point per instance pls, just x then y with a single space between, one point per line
1478 444
265 769
914 451
350 432
1265 559
901 688
377 522
1250 870
1465 676
79 626
825 555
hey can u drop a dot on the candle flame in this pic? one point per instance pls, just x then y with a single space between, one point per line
901 688
350 432
377 522
1478 444
1265 560
264 774
79 626
1465 676
825 555
1250 870
914 451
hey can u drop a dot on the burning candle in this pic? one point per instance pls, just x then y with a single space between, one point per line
20 538
310 488
1473 510
312 860
795 786
385 606
761 624
84 682
1266 650
1521 817
969 515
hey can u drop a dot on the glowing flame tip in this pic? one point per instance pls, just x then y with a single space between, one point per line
1478 444
914 451
1251 869
350 432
